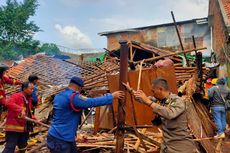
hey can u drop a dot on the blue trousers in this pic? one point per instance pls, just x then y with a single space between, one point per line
219 116
59 146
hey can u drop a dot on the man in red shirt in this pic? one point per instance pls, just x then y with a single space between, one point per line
5 80
17 128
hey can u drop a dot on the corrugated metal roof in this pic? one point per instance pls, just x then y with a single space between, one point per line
198 21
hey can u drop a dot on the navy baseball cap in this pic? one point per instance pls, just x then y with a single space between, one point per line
78 81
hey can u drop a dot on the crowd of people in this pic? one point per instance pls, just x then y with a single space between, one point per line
171 113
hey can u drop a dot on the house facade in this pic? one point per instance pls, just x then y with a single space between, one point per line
219 20
165 36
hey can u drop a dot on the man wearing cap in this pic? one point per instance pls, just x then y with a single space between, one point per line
216 95
5 80
67 110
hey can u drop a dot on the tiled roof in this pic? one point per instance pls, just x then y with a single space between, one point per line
54 74
226 6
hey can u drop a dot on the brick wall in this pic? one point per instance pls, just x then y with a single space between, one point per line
219 34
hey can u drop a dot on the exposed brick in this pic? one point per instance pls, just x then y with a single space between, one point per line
219 29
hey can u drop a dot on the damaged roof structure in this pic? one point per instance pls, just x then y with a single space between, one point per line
102 77
152 51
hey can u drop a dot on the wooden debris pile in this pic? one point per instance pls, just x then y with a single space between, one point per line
107 141
151 55
199 118
101 142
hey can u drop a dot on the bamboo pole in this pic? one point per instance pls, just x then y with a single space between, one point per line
139 77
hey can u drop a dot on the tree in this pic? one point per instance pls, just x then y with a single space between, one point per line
14 21
16 30
50 49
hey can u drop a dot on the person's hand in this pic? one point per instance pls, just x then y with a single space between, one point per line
34 117
118 94
127 86
22 114
141 96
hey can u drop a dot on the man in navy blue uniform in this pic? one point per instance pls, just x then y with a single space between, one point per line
67 114
35 98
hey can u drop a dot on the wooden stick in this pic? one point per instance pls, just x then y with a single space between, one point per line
138 142
35 121
139 77
86 117
131 52
37 148
218 146
201 139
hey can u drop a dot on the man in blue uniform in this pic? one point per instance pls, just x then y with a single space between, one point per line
34 80
67 114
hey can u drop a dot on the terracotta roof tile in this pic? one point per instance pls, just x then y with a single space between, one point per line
226 5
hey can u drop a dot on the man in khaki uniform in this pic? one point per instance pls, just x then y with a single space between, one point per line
172 110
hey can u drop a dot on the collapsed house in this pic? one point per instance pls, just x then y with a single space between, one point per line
101 78
147 49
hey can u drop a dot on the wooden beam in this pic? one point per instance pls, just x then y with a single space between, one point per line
121 103
178 34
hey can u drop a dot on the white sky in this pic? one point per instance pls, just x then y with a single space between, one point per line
76 23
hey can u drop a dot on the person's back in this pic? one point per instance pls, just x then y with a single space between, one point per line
65 120
67 113
216 92
217 95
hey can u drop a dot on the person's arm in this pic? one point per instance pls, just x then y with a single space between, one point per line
11 81
228 96
34 96
10 104
84 102
211 92
176 108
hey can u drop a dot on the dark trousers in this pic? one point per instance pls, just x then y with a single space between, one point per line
59 146
14 139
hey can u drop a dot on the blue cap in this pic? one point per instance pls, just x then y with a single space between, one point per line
77 81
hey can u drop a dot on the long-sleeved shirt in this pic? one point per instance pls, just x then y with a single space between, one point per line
176 133
6 80
66 120
215 97
35 96
15 105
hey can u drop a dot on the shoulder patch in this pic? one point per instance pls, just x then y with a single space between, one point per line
82 97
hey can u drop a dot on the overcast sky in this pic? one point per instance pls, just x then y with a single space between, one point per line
76 23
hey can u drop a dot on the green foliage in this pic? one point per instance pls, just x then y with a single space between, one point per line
50 49
8 52
17 31
14 21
